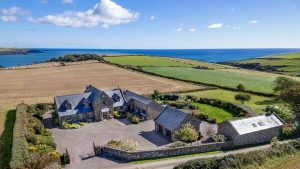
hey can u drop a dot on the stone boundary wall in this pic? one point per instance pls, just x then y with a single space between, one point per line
159 153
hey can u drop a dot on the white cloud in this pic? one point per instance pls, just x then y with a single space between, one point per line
253 22
67 1
193 30
178 29
152 17
14 11
106 13
215 26
9 18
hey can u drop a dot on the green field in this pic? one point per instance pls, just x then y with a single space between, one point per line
212 112
257 103
287 64
205 73
216 77
146 61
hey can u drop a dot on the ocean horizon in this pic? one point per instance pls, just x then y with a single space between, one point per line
208 55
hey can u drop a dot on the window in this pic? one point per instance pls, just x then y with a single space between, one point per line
254 125
115 98
261 123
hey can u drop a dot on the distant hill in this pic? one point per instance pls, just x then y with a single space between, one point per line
11 51
287 64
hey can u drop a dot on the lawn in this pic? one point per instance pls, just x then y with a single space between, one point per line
205 73
288 63
220 78
257 103
146 61
212 112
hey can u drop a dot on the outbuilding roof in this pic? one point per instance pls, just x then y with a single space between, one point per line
170 118
254 124
131 95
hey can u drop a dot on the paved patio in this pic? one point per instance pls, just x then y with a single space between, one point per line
79 142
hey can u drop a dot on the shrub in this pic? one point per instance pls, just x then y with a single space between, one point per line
240 87
193 107
187 133
217 137
191 98
39 128
242 97
118 115
135 120
30 138
156 95
288 131
177 144
128 145
179 104
70 125
171 97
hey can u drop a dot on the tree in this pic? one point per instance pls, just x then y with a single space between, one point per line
187 133
156 95
289 92
240 87
282 83
242 98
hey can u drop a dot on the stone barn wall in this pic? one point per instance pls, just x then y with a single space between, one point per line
159 153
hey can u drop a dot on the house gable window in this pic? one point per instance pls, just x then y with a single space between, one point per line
67 105
85 102
115 97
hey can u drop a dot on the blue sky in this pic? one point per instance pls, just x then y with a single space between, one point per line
150 24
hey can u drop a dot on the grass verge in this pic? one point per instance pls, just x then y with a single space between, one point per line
6 139
176 157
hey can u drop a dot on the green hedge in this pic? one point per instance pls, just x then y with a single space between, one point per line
19 148
237 161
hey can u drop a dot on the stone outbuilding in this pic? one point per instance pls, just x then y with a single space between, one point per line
251 131
171 119
142 106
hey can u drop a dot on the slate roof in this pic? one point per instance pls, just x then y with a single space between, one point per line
170 118
76 102
113 93
91 93
131 95
254 124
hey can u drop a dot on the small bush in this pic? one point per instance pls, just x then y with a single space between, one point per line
177 144
171 97
70 125
191 98
187 133
118 115
135 120
30 138
39 128
128 145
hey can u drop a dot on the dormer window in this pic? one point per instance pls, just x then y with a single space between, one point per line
115 97
67 105
261 123
85 102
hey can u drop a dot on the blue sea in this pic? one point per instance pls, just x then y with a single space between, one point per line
209 55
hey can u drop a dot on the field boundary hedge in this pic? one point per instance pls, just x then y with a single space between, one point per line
189 81
19 145
237 109
242 160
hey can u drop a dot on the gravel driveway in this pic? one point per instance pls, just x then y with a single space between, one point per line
79 142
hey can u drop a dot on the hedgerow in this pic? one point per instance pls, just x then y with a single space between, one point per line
19 146
237 161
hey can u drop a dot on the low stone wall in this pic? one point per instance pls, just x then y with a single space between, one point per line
159 153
